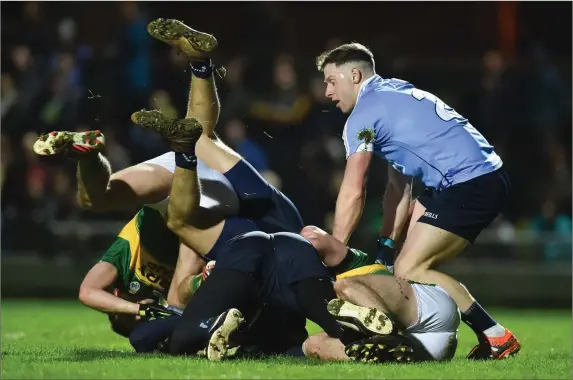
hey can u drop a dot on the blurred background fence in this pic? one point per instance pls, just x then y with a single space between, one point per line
77 66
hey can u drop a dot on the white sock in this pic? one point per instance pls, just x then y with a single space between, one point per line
496 331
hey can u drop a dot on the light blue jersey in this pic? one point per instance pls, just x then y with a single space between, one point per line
417 133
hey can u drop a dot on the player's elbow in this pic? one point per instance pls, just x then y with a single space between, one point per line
85 295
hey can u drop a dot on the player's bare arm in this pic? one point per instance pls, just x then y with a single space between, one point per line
352 195
395 204
188 271
94 295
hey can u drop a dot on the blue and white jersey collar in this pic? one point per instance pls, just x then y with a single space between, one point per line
366 83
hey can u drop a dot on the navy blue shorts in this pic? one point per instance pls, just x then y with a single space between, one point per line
262 208
263 203
466 208
278 261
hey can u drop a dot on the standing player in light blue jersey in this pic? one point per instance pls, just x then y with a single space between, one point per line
420 136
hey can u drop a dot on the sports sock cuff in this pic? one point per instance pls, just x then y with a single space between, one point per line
344 264
185 161
202 69
384 241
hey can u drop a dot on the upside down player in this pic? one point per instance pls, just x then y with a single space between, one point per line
426 316
132 186
235 242
421 137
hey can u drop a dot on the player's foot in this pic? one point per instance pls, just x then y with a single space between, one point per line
181 134
495 348
220 344
382 348
369 321
192 43
66 143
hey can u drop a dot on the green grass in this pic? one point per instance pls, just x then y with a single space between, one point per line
43 339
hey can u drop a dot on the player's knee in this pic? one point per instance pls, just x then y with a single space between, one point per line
408 270
316 237
175 223
342 288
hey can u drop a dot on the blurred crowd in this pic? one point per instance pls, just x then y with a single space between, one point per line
276 116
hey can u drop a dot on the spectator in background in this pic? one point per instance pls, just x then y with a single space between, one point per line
135 56
28 80
235 135
234 96
493 96
285 105
149 144
552 220
36 33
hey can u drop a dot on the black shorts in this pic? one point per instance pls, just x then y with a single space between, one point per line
261 202
277 261
466 208
262 208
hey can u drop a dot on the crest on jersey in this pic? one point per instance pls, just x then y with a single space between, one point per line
366 135
134 287
367 138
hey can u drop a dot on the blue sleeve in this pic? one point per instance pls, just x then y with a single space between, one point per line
364 129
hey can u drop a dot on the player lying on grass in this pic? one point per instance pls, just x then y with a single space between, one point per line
420 136
141 264
272 333
149 183
426 316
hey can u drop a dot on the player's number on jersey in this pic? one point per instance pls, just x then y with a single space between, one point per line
444 112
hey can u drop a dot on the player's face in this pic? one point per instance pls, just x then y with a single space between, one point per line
340 87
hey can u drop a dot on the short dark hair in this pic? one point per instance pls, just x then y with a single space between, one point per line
353 52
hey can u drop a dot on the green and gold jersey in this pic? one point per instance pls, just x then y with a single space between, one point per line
145 254
362 263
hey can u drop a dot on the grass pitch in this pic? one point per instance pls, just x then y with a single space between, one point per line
63 340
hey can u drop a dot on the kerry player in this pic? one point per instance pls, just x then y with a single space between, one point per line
420 136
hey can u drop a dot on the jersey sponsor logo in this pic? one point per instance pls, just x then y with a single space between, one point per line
154 274
134 286
430 215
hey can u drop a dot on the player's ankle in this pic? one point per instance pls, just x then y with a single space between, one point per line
186 160
202 68
496 331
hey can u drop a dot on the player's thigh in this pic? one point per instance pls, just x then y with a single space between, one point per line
201 240
418 210
216 154
396 294
262 202
426 246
